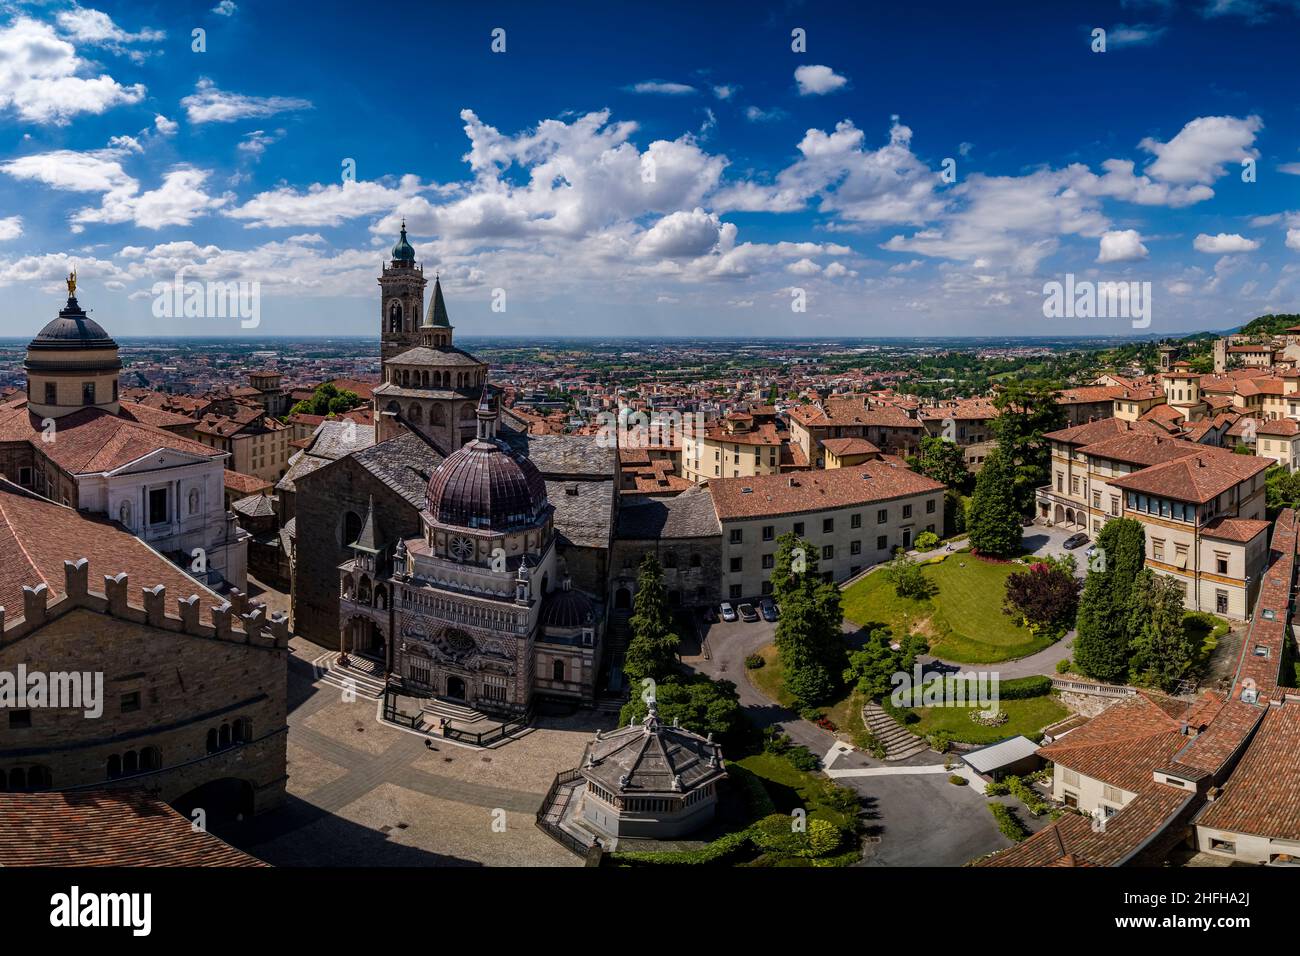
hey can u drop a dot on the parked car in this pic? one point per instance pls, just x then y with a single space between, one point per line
767 607
1074 540
728 612
748 613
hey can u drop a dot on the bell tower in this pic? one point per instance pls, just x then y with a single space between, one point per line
401 301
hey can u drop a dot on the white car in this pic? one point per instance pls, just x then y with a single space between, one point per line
728 612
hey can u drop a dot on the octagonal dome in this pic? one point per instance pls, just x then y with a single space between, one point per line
486 487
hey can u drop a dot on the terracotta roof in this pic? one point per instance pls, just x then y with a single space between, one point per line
1261 671
874 481
37 536
1263 794
1236 529
1197 478
92 440
105 828
1152 446
1279 426
839 447
244 484
1091 432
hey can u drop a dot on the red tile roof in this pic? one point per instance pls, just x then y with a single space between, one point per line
1263 794
92 440
105 828
1198 478
871 482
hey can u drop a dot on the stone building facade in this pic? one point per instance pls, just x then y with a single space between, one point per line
193 703
683 532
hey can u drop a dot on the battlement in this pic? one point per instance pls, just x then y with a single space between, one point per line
239 619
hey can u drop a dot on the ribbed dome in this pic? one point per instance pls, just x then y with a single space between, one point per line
567 608
402 251
485 486
73 329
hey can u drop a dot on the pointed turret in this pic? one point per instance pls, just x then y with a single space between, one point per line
487 417
438 309
366 540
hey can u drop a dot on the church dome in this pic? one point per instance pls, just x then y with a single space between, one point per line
73 329
485 486
403 251
567 608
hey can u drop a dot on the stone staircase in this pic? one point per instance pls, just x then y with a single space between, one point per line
363 675
617 636
464 717
900 743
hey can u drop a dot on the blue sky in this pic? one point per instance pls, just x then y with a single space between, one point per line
671 170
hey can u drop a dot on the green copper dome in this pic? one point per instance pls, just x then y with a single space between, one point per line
402 252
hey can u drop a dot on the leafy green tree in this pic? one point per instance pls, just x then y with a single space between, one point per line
809 637
652 649
698 704
1101 649
906 576
1163 653
327 399
1282 490
993 522
1027 410
871 667
942 460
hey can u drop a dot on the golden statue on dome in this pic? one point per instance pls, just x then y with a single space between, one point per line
72 283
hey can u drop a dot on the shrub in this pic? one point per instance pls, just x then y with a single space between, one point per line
1026 794
802 758
1020 688
940 741
775 742
843 799
957 780
907 578
811 714
996 719
996 788
755 661
926 541
1063 666
1008 823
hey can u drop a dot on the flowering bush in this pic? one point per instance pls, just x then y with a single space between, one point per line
984 719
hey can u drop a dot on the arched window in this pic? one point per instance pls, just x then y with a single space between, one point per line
39 778
395 317
351 527
114 767
131 763
243 730
414 414
17 780
150 758
437 416
225 736
212 741
557 670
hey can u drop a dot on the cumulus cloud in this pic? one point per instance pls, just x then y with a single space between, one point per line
1224 243
44 80
1121 245
684 235
1202 148
11 227
95 28
208 104
226 8
321 205
725 92
817 80
165 126
178 201
862 185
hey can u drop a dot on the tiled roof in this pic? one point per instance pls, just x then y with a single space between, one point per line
816 490
37 536
105 828
1144 448
1235 529
688 515
244 484
1263 794
839 447
1092 432
1196 478
1261 671
93 440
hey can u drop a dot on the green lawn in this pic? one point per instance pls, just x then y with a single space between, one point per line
962 621
790 788
1027 717
845 713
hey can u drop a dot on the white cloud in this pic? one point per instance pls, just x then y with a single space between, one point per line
684 235
41 77
1291 169
1293 239
817 80
885 185
757 114
176 202
165 126
1202 148
254 144
11 227
95 28
321 205
1139 34
1224 243
804 267
1121 245
725 92
664 89
208 104
226 8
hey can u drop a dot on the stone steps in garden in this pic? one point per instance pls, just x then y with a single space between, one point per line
899 742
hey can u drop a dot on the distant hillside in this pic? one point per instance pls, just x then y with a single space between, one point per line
1270 324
